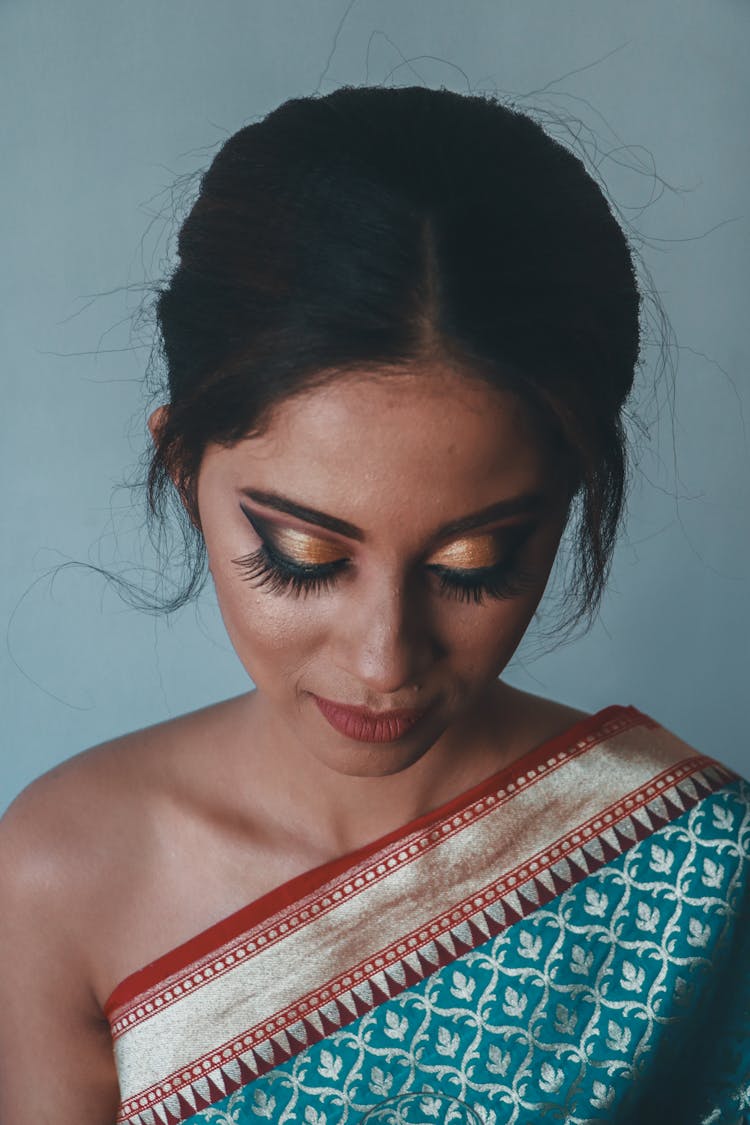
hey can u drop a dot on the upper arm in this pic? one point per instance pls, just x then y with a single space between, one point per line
56 1060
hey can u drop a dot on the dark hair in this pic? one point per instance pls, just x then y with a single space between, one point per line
373 227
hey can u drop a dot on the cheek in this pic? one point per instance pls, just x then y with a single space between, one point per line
264 626
480 640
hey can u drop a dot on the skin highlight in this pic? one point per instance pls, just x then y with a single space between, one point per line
127 850
399 457
106 851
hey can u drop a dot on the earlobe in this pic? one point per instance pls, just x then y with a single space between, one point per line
156 421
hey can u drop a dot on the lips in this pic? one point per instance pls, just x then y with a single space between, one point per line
368 726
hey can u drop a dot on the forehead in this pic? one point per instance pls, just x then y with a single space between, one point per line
430 438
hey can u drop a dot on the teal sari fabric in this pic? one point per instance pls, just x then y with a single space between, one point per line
621 997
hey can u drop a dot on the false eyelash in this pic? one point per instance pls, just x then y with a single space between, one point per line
266 569
504 580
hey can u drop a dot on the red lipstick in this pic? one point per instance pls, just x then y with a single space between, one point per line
367 726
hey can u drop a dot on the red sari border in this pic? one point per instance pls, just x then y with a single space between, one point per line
577 738
648 793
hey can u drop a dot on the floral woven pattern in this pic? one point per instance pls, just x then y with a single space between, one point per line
619 1001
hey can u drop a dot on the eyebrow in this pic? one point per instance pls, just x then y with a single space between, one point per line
526 503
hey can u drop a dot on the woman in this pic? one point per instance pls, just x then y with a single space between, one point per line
399 342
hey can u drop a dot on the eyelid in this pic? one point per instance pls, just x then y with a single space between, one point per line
307 549
500 543
283 540
500 538
454 555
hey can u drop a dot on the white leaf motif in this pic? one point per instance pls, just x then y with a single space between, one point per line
565 1021
596 903
312 1117
552 1078
463 987
723 819
603 1096
699 934
263 1105
619 1037
530 945
499 1060
648 918
713 873
632 977
486 1116
380 1083
580 961
396 1026
330 1065
514 1005
447 1043
661 862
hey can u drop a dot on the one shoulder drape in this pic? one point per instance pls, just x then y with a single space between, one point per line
569 941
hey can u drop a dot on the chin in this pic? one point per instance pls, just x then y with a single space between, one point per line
370 761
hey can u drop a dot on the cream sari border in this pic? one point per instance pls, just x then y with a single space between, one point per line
376 867
390 921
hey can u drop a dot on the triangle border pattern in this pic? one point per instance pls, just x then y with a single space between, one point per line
467 926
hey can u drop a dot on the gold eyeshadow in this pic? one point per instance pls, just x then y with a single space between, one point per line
468 554
472 553
304 549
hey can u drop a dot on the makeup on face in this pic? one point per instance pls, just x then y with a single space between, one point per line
298 546
526 503
357 724
486 562
352 587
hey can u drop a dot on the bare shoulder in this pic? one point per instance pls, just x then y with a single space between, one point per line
97 849
90 794
97 814
59 846
52 820
59 815
59 842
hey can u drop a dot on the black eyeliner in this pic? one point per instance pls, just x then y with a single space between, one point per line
280 574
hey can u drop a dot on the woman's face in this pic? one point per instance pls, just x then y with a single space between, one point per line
372 598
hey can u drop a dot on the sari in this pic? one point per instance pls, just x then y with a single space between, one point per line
568 941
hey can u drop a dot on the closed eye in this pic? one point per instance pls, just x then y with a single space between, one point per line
271 569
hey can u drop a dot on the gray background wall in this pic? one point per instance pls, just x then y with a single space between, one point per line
105 105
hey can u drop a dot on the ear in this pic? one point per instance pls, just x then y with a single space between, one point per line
157 420
155 423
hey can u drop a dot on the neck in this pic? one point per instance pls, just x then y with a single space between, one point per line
330 812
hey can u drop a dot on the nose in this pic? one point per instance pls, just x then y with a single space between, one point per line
386 639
